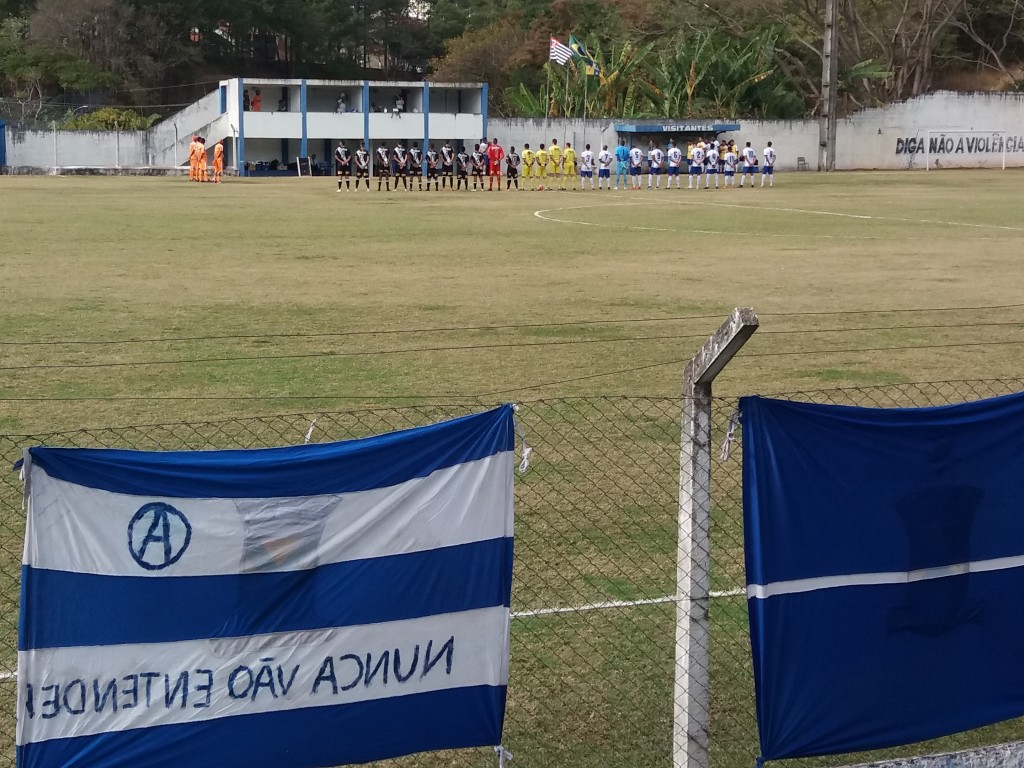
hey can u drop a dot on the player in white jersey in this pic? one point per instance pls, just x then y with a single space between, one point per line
604 167
749 155
769 166
655 160
696 166
729 167
636 164
675 160
712 167
586 167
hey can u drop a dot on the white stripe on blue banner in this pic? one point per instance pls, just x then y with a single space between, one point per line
84 691
461 504
813 584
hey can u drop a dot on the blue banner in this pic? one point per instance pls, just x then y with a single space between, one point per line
299 607
883 552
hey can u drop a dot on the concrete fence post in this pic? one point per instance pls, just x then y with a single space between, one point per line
691 720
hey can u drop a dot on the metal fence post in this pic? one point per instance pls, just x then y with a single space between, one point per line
691 720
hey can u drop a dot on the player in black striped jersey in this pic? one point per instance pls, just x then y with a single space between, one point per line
343 162
462 163
512 161
382 167
401 158
433 163
478 163
362 161
447 166
415 166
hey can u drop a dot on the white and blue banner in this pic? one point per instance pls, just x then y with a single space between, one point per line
885 571
293 607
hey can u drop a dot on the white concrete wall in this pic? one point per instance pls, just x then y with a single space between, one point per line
81 149
327 125
518 131
387 128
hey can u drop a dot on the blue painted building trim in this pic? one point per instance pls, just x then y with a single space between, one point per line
366 123
240 149
426 126
3 143
692 127
483 108
304 143
223 99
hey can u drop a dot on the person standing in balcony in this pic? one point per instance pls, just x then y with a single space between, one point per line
257 101
246 103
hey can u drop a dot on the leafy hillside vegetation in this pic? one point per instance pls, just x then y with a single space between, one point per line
658 58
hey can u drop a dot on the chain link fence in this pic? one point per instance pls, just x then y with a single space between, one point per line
594 607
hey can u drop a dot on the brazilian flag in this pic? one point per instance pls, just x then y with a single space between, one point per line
583 55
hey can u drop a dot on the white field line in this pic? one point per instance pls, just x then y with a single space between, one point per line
542 214
618 604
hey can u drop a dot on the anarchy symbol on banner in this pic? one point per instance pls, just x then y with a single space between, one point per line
158 536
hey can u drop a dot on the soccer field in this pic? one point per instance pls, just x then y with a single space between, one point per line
155 301
487 294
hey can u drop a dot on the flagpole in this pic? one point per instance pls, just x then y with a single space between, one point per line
547 103
586 79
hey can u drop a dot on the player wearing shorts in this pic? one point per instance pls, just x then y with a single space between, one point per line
569 167
604 167
749 157
729 167
512 161
447 166
528 159
343 164
362 161
416 167
382 167
768 170
636 166
495 154
675 160
433 166
621 163
218 162
696 167
479 159
462 163
655 160
542 166
555 163
401 158
711 161
586 167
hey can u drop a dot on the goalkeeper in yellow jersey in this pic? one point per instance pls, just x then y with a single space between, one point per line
569 167
528 158
555 163
543 159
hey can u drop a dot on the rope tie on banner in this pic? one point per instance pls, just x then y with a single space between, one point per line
504 756
309 432
730 436
760 762
525 463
